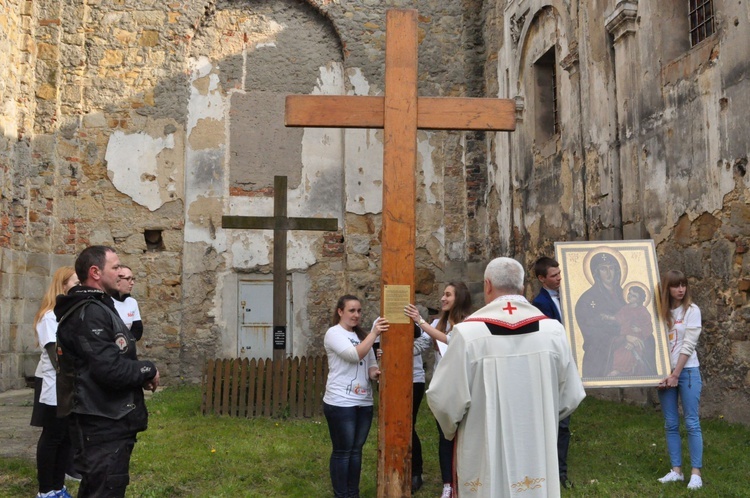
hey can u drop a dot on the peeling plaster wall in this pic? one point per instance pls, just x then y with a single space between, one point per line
653 144
120 122
136 167
136 131
236 83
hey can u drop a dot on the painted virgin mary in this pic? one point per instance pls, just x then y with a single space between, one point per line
596 314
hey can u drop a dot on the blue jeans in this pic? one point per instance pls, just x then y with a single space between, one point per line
689 391
348 427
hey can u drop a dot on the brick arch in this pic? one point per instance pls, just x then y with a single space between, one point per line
209 8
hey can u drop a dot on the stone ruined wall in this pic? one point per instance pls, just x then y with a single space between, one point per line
78 75
138 125
10 93
25 264
653 144
690 191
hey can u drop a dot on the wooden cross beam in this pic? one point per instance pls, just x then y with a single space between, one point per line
400 113
280 224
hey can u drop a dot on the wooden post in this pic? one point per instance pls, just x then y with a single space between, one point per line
400 113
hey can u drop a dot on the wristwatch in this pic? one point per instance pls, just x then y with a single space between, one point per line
422 321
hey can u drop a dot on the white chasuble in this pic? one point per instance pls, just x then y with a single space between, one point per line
506 380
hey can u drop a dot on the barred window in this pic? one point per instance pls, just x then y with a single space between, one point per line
547 115
701 17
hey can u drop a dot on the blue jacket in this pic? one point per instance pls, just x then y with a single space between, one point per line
546 305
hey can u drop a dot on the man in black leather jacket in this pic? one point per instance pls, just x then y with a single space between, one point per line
101 381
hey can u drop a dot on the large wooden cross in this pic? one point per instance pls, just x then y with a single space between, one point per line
400 113
280 224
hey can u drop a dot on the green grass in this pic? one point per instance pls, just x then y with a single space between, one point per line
616 451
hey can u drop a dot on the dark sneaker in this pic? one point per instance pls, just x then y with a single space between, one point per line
416 483
565 482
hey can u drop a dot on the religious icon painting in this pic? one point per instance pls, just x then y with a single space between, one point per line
610 303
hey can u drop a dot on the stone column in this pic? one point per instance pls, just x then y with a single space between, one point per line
622 25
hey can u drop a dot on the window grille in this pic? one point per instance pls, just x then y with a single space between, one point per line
546 87
701 20
555 111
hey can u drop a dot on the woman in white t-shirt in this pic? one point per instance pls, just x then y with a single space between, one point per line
347 403
53 451
455 306
683 319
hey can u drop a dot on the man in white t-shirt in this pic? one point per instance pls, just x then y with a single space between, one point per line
126 306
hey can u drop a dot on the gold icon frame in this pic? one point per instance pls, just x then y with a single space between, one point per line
637 264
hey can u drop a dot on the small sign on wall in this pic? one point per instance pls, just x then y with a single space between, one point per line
279 337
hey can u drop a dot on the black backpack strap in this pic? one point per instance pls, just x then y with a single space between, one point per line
77 305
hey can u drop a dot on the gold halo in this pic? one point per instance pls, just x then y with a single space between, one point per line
630 285
614 252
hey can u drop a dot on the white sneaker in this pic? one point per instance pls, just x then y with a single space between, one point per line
672 477
695 482
447 491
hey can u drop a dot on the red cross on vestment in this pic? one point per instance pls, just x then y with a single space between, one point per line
510 308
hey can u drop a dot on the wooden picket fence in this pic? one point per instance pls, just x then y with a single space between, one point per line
264 388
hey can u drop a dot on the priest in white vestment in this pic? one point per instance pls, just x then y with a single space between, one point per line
506 380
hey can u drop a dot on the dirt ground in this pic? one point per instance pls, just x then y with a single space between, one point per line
17 438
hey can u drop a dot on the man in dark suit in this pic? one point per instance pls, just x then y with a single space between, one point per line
547 271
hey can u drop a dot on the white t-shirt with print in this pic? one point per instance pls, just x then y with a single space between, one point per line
348 383
683 320
128 310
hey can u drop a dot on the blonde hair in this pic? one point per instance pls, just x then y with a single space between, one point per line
673 278
57 286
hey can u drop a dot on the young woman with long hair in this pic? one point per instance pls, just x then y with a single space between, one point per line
455 306
683 320
53 450
347 403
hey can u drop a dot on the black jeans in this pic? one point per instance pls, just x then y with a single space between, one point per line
563 442
416 444
53 454
348 427
445 454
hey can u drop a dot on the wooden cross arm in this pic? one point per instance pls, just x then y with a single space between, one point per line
433 113
271 223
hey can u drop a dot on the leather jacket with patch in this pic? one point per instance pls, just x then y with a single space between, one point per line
100 374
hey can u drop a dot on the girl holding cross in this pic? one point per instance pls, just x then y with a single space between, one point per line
347 403
455 306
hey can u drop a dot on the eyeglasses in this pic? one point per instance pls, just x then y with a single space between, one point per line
129 279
